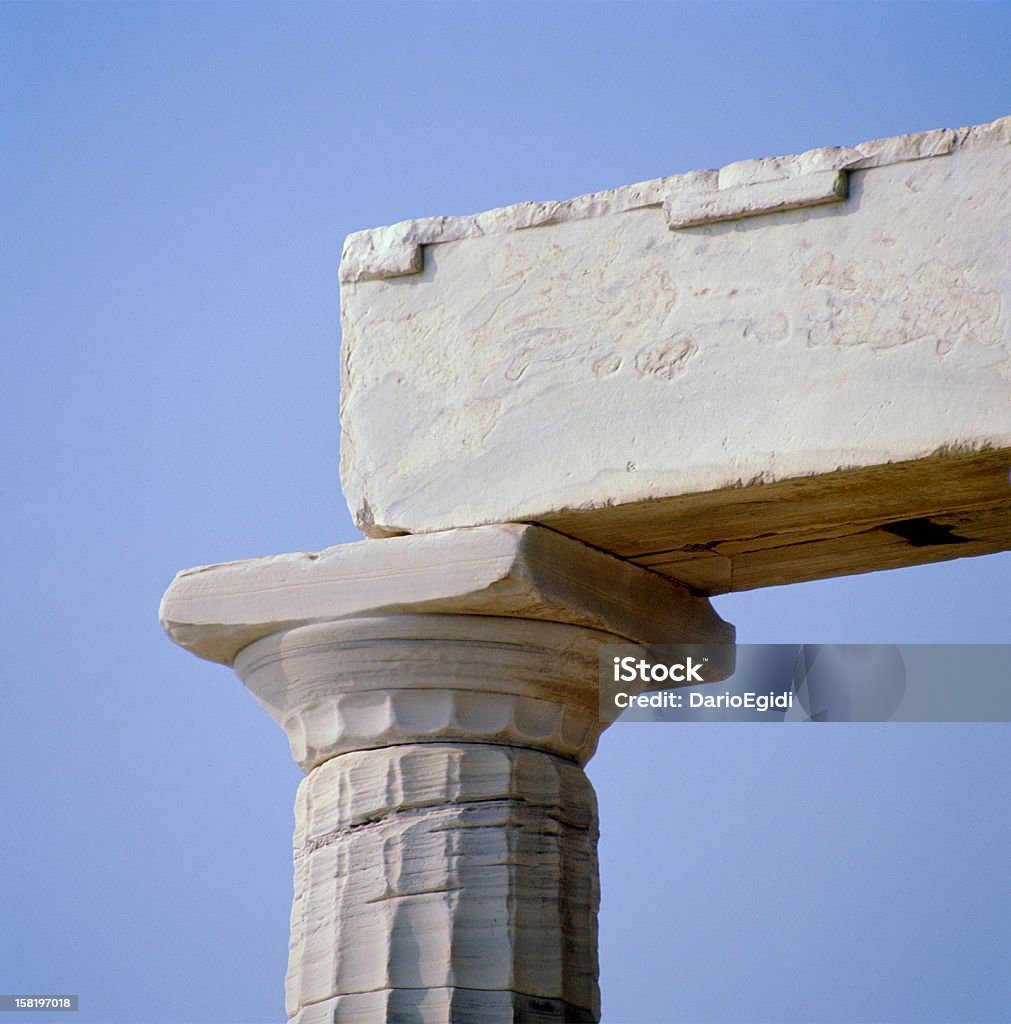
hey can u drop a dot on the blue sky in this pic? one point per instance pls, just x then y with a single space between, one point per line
177 182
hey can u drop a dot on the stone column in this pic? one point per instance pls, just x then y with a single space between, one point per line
441 693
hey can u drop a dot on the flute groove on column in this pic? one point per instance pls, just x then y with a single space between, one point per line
445 882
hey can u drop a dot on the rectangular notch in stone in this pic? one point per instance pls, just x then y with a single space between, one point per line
688 209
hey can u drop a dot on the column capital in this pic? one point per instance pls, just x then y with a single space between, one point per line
511 570
482 635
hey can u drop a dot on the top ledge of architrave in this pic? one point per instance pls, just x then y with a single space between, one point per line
743 188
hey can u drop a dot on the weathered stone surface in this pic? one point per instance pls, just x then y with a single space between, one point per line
755 198
784 369
357 684
509 570
444 882
833 524
584 364
394 251
445 842
442 693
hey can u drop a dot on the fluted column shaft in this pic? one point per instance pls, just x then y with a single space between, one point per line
458 883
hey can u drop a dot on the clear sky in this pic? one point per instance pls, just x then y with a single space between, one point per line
177 181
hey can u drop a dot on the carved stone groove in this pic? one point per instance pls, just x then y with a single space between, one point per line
450 882
364 683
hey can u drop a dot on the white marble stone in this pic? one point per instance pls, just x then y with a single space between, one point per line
510 570
442 694
441 874
358 684
395 251
693 335
756 198
445 837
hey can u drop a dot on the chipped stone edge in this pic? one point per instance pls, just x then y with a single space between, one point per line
758 197
509 570
397 250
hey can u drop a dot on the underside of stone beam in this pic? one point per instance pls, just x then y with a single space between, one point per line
791 531
787 369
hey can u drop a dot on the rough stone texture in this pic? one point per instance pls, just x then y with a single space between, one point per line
598 366
833 524
755 198
784 369
395 251
513 570
445 882
363 683
442 693
445 840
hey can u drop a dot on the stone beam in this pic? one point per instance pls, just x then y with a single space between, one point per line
783 370
441 692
